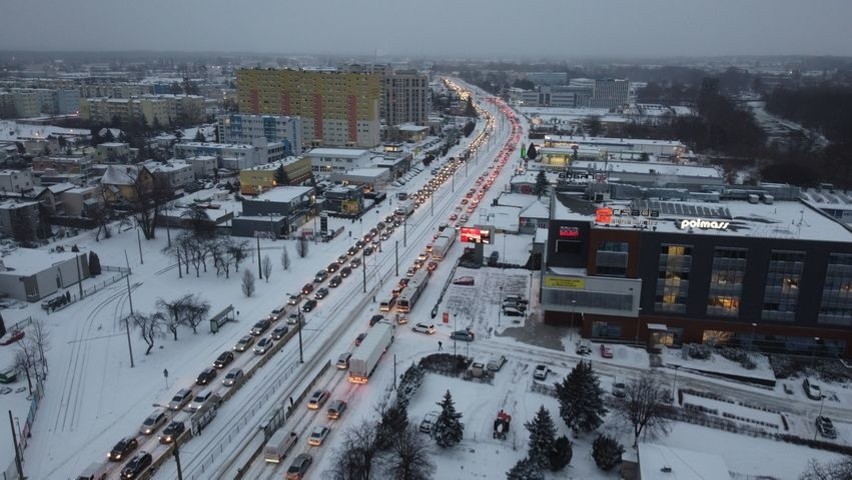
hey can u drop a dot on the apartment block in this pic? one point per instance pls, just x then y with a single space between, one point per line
237 128
16 180
337 108
610 93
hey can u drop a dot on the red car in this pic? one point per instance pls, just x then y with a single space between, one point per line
606 351
13 337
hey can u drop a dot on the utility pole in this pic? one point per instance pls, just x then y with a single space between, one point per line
139 241
396 256
259 266
405 232
364 271
177 460
394 372
127 320
432 204
18 464
79 277
301 322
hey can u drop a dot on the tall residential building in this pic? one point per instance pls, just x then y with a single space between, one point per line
337 108
237 128
610 93
406 97
162 109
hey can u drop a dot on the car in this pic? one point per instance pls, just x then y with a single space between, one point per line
811 389
411 271
583 349
136 466
299 466
320 276
343 360
376 319
336 409
223 360
825 427
172 432
606 351
307 289
515 299
353 250
355 262
233 377
333 267
244 344
321 293
619 390
466 281
787 389
293 318
368 251
360 244
496 362
463 335
279 332
360 338
294 299
512 312
309 305
345 272
423 328
401 319
260 327
318 399
428 422
181 398
342 259
384 236
122 449
397 290
263 346
276 313
335 281
431 266
154 421
540 372
318 435
206 376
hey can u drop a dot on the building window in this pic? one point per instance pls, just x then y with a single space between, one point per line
606 330
611 258
781 295
726 281
836 305
673 278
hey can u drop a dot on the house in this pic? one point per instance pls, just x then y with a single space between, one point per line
29 274
533 217
20 219
123 183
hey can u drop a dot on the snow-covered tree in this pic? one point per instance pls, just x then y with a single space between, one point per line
541 185
448 430
644 408
607 452
393 423
248 282
525 469
285 258
532 152
562 453
542 434
581 399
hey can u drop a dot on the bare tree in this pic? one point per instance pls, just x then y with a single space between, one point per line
149 199
174 250
644 408
196 311
238 252
196 219
409 457
173 313
285 258
41 339
839 470
248 282
267 267
357 457
26 359
150 328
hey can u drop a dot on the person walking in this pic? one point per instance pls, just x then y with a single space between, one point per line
440 345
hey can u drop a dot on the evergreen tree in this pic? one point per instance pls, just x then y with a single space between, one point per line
281 177
393 424
469 110
108 136
541 184
448 430
542 435
607 452
561 454
532 152
199 137
581 399
525 469
94 264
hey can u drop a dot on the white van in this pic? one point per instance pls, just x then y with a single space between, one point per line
199 400
496 362
95 471
278 445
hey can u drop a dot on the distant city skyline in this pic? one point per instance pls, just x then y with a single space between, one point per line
474 28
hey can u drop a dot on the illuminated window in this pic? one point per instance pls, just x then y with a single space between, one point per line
672 289
781 295
726 280
836 304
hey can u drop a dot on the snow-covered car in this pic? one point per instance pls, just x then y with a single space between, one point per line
318 399
583 349
428 422
619 390
825 427
812 390
423 328
540 372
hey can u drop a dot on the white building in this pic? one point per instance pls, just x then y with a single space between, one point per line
203 166
324 161
236 128
34 274
234 156
176 173
16 180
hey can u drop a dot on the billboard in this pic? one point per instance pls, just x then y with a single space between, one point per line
563 282
475 235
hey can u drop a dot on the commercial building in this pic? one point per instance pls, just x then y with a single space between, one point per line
274 213
337 108
344 199
762 273
236 128
325 161
233 156
259 179
621 148
610 93
31 275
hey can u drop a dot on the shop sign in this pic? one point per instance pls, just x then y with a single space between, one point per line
702 223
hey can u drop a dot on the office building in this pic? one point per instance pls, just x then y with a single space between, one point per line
237 128
234 157
610 93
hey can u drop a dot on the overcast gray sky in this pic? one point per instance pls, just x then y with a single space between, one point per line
456 28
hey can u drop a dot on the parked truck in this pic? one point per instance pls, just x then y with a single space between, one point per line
443 243
404 209
365 358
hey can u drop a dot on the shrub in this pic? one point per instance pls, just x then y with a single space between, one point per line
700 351
738 355
445 363
607 452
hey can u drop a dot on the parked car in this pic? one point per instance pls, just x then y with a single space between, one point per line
606 351
360 338
206 376
244 344
154 421
583 349
136 466
259 327
279 332
321 293
172 431
463 335
122 449
224 359
318 399
336 409
812 390
512 312
825 427
181 398
233 377
299 466
318 435
496 362
309 305
263 346
335 281
343 360
428 422
345 272
619 390
423 328
540 372
376 319
787 389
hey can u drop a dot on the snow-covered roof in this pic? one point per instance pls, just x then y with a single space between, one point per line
536 209
655 460
366 172
540 235
648 168
28 261
515 199
12 131
120 175
337 152
283 194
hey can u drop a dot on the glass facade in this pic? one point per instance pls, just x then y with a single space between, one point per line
781 295
726 282
611 258
836 305
673 278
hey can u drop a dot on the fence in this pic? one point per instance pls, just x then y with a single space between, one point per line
11 473
100 285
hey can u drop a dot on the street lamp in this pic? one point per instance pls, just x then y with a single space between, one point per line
821 403
301 322
175 450
674 385
813 350
753 328
500 312
573 305
454 329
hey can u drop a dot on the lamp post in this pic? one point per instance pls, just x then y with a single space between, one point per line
813 350
454 329
753 328
500 312
301 322
638 314
573 305
674 385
